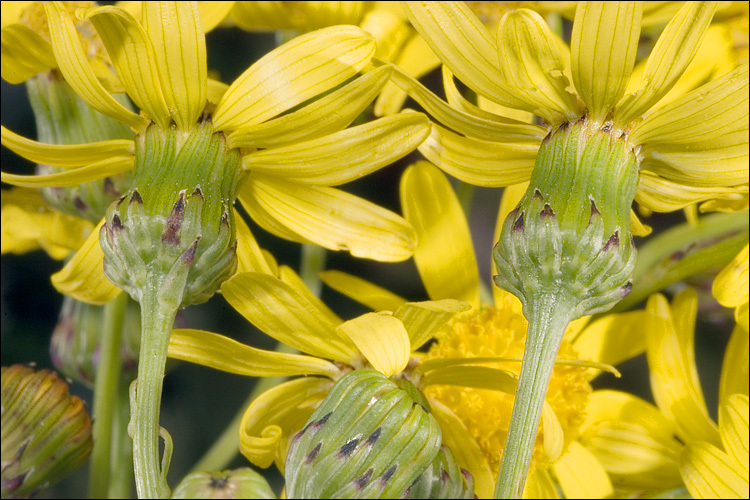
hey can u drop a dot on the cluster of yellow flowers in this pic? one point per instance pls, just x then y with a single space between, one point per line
590 115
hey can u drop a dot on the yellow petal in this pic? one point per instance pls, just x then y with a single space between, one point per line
638 228
133 56
215 90
539 484
632 439
662 195
423 320
364 292
430 205
176 32
83 276
323 116
66 155
731 285
702 138
465 448
478 162
671 361
733 427
554 440
260 16
343 156
673 52
532 67
288 276
708 473
612 339
272 418
382 339
283 313
603 46
222 353
24 53
581 475
212 13
328 217
464 45
26 228
73 177
734 368
479 127
478 377
74 65
249 254
289 75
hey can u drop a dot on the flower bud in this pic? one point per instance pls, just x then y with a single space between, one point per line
238 483
442 479
570 233
176 224
76 341
46 432
368 439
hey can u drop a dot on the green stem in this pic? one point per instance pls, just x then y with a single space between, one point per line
121 471
465 194
548 316
105 395
685 250
157 318
313 261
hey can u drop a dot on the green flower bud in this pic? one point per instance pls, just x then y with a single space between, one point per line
368 439
76 341
46 432
175 229
442 479
238 483
570 234
62 117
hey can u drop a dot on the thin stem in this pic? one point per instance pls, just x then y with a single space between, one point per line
121 471
157 318
313 261
106 384
548 317
465 194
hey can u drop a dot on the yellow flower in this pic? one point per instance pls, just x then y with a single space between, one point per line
690 150
714 460
730 287
494 335
291 161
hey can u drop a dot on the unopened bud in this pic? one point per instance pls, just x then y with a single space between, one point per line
238 483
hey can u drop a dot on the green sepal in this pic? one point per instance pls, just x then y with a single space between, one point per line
239 483
442 479
368 439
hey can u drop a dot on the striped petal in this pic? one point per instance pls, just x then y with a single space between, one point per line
702 138
282 312
328 217
673 52
289 75
214 12
532 67
581 475
24 53
464 45
222 353
465 448
430 205
73 177
249 254
479 127
134 58
539 484
364 292
603 46
733 427
662 195
423 320
382 339
176 32
671 361
479 162
343 156
74 65
734 368
66 155
83 277
324 116
275 416
708 473
288 276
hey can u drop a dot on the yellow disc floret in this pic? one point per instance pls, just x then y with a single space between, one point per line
501 332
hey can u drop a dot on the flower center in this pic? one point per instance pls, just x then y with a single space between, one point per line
501 332
35 18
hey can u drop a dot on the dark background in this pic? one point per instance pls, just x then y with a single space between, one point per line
198 402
